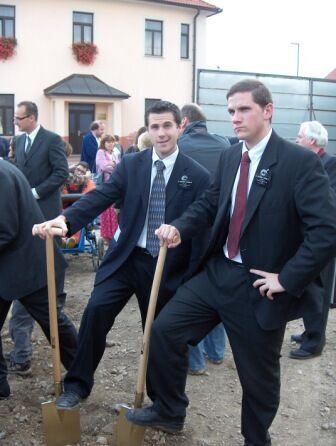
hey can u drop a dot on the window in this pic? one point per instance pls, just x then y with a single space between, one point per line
184 41
149 102
7 21
153 38
82 27
6 114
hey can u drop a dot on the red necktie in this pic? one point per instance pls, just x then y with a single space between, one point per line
321 152
238 214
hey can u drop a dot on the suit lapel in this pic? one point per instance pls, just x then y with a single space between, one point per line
20 150
268 159
37 142
179 170
145 171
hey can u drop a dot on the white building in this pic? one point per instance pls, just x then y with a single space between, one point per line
147 50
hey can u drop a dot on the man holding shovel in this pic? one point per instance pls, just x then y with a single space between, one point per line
273 224
150 187
23 264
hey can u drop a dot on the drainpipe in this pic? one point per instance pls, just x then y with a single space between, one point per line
194 54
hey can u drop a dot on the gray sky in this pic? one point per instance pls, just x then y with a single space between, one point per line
256 36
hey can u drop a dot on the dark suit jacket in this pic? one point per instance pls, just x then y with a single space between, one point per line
4 147
202 146
22 256
46 169
289 226
89 151
329 164
129 184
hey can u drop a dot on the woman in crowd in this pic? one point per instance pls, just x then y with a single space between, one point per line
106 161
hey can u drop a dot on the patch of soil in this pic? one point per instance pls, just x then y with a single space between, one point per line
307 413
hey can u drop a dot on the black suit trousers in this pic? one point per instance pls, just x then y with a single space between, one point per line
314 336
107 300
218 293
37 306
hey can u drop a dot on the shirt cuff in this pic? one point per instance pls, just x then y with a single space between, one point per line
36 195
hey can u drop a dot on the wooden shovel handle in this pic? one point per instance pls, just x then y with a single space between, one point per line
54 339
140 386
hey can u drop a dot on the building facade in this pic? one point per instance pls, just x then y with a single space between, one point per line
146 50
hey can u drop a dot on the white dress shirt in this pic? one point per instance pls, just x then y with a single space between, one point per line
169 165
255 154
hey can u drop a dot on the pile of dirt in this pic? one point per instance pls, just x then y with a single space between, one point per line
307 414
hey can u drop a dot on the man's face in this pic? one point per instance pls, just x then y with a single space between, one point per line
163 132
24 122
303 140
250 121
100 131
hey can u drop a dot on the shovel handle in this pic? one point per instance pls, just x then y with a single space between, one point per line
54 339
140 386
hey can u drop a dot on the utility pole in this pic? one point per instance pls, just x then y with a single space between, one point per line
297 44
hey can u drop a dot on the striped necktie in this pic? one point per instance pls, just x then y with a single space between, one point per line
156 209
28 144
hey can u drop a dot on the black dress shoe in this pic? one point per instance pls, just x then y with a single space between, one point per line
68 401
299 353
268 442
149 418
4 390
298 338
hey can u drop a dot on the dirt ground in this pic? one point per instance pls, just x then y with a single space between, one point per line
306 417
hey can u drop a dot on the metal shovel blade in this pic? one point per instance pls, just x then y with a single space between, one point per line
61 427
127 434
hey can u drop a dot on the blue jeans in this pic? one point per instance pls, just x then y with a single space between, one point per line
213 345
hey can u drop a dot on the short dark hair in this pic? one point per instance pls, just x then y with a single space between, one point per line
260 93
164 107
95 125
31 108
193 112
83 164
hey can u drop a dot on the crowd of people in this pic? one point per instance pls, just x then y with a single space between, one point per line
250 226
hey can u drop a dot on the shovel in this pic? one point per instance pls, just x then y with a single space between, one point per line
129 434
61 427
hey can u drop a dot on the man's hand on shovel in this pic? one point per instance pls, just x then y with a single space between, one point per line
57 226
168 234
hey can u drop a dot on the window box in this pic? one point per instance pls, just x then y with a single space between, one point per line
7 47
84 53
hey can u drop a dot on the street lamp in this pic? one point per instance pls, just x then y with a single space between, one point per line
297 44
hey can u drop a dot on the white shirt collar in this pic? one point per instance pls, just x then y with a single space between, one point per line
32 135
256 152
169 161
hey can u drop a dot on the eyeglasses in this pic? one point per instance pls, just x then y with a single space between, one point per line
17 118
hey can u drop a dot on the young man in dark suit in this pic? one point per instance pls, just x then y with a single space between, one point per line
39 154
23 264
314 137
273 230
90 144
143 183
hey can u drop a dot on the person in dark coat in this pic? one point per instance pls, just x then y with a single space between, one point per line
23 264
314 137
154 185
197 142
40 156
90 144
273 230
4 147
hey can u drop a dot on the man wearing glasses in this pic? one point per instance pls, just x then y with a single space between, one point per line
40 156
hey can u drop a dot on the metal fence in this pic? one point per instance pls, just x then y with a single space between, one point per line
296 99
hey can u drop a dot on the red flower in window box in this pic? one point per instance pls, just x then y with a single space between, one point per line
84 53
7 47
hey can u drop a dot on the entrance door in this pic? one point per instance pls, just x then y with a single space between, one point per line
80 118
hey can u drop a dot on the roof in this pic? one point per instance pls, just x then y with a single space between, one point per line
198 4
84 85
332 75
